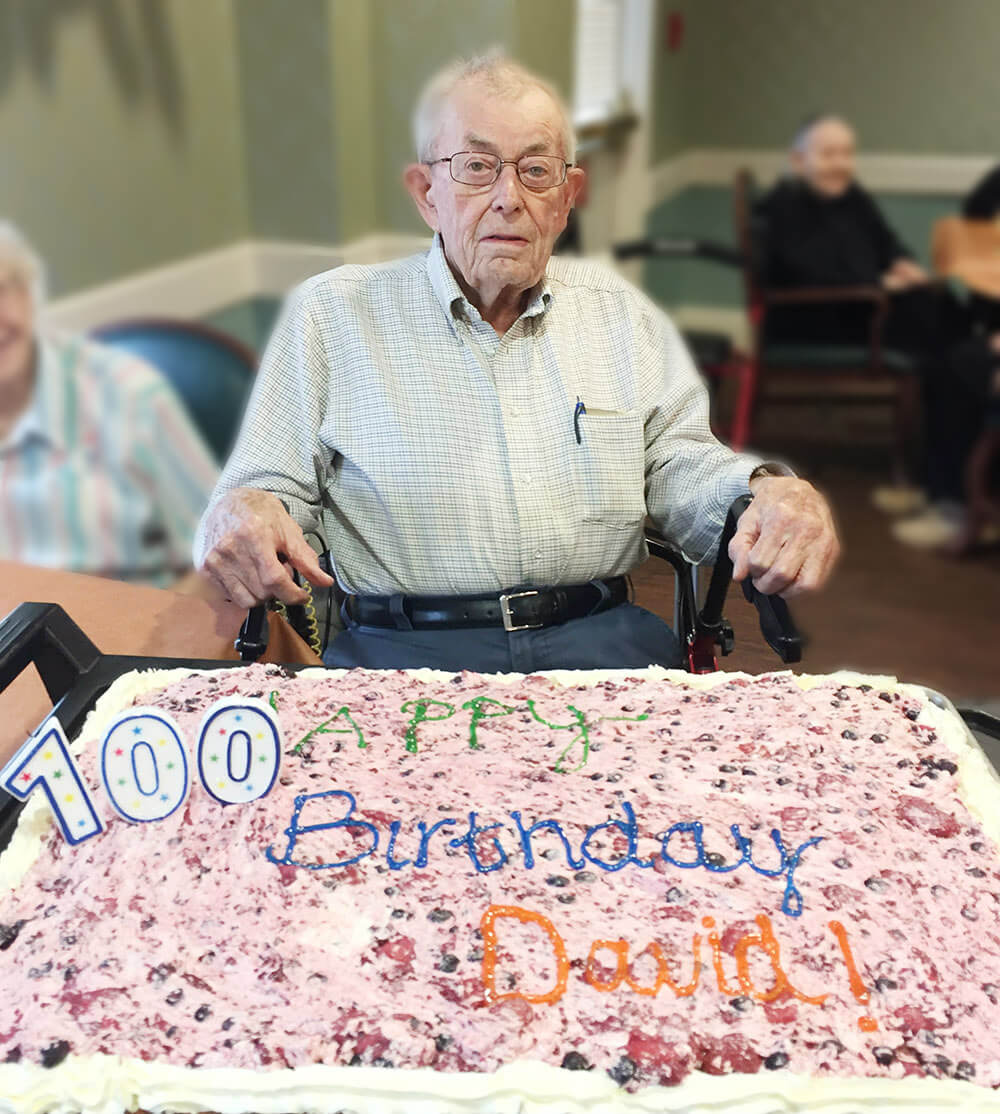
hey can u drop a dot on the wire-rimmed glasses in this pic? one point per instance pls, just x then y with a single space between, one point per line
481 169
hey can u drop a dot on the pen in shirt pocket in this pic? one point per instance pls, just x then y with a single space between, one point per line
578 411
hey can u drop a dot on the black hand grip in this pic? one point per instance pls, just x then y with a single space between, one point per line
44 635
251 642
722 573
776 624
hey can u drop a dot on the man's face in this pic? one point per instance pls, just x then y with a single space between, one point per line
827 158
16 328
497 237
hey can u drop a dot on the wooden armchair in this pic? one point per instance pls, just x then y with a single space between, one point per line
841 374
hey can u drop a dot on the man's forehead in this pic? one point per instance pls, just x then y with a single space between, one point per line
524 123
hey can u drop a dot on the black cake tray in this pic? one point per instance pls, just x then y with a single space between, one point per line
76 674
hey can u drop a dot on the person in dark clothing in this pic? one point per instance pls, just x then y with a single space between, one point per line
820 227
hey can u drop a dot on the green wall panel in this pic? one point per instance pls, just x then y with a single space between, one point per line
288 118
915 75
121 133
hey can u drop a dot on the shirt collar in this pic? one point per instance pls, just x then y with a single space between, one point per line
43 418
453 301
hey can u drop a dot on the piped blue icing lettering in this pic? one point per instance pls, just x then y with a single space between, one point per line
696 829
539 825
295 829
468 841
425 837
631 832
390 858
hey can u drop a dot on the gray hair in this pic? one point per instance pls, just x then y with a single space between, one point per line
502 76
17 254
805 128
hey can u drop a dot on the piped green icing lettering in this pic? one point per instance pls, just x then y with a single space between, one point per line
583 738
324 728
476 707
419 708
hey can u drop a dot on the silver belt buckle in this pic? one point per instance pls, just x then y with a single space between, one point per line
508 623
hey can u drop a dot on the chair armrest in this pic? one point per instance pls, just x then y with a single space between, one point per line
659 247
826 295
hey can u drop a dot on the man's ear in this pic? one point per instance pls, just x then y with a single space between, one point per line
576 179
417 179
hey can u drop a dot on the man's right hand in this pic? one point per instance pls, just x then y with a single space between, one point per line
243 536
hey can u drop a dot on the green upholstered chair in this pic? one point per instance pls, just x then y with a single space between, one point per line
823 372
211 371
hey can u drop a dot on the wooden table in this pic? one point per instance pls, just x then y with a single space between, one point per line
126 619
968 250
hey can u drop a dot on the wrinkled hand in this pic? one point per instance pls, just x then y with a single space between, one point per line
904 273
243 535
785 541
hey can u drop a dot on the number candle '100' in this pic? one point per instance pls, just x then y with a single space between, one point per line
144 766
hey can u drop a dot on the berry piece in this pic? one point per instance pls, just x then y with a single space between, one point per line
8 934
622 1071
55 1054
776 1060
573 1061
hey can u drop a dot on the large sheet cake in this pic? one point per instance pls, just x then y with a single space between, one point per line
600 892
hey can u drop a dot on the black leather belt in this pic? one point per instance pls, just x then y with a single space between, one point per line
516 609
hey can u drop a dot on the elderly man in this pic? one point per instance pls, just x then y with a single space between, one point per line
101 470
483 429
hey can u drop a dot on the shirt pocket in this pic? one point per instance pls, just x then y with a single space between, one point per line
610 469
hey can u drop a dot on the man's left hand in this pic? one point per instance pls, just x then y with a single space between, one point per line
786 541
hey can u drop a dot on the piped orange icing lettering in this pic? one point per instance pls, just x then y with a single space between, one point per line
524 916
866 1024
716 946
767 942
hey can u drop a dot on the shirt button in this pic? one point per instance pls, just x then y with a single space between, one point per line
527 479
538 556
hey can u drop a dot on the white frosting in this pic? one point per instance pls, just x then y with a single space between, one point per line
113 1085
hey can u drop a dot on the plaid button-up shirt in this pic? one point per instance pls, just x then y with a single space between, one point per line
439 458
104 472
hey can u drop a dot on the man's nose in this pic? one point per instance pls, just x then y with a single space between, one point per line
507 190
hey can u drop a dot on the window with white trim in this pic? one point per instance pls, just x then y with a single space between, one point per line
599 87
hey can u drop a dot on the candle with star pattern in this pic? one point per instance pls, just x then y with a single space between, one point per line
239 750
44 761
144 766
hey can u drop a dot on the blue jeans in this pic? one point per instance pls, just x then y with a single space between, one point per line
626 637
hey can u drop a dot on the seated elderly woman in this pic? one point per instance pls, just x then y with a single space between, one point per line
101 470
820 227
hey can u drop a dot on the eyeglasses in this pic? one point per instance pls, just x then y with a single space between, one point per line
479 168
